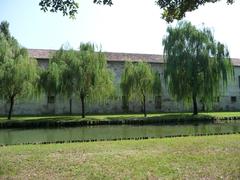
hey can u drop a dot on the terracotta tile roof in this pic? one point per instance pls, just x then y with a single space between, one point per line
235 61
112 56
41 53
153 58
45 54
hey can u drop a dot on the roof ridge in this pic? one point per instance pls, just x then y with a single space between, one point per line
116 56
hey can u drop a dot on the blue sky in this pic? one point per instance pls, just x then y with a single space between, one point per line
128 26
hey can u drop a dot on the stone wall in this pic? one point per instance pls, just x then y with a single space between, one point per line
228 101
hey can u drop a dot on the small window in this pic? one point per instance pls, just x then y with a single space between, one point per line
239 81
158 102
51 99
125 103
233 99
217 99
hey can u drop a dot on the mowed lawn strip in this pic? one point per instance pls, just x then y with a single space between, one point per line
206 157
118 116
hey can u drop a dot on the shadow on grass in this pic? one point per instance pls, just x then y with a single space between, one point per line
74 121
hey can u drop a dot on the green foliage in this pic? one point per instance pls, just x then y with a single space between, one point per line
196 65
94 80
18 72
4 28
127 80
139 81
67 7
50 79
104 2
175 9
172 9
82 74
157 86
60 76
67 62
18 76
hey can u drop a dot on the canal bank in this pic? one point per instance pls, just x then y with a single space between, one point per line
123 119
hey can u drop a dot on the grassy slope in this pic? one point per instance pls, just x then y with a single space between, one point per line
209 157
119 116
223 114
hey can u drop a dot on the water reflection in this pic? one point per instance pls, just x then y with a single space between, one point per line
19 136
235 128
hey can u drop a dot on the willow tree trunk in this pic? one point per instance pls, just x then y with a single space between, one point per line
70 106
144 106
195 109
11 107
83 105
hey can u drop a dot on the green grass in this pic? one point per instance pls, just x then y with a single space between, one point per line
119 116
89 117
78 117
209 157
223 114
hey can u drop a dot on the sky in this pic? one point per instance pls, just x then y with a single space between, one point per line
128 26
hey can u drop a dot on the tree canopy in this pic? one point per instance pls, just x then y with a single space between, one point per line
172 9
94 81
49 80
66 60
176 9
138 81
18 72
197 66
58 78
81 74
84 74
4 29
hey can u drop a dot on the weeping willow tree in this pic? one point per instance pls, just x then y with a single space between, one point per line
93 81
59 77
67 61
18 72
197 66
138 81
82 74
49 81
126 82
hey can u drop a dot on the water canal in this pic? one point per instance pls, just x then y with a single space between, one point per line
110 132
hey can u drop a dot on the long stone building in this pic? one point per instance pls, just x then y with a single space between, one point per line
48 104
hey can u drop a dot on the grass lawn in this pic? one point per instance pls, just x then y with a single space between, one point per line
77 120
206 157
118 116
223 114
77 117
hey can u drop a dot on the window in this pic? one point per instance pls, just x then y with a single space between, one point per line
158 102
51 99
239 81
233 99
125 103
217 99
